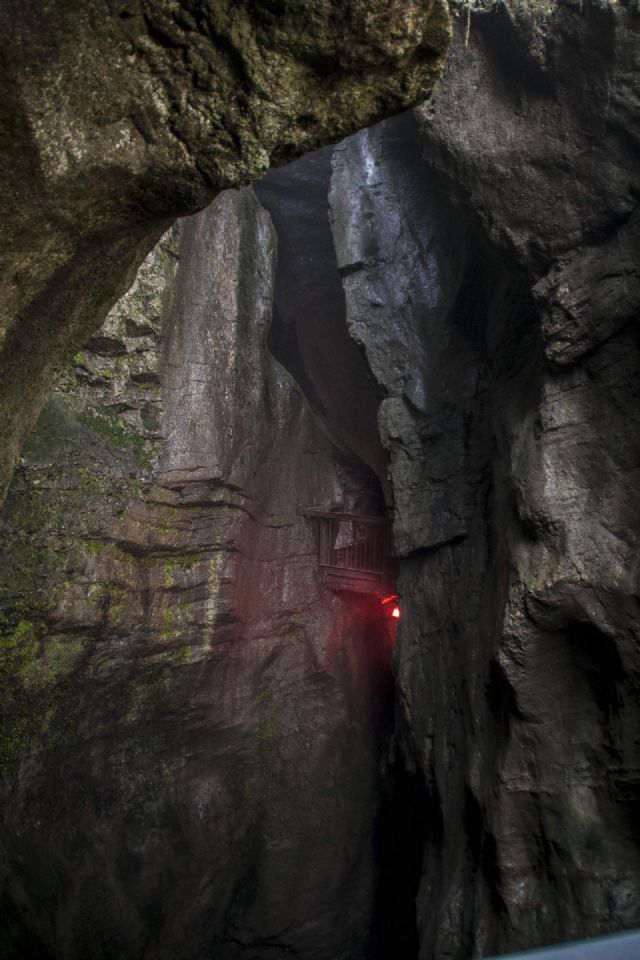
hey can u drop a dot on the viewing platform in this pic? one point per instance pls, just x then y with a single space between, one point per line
354 551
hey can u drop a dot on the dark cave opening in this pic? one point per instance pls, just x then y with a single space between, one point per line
401 831
597 655
408 816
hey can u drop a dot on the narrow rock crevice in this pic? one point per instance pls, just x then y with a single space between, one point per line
309 336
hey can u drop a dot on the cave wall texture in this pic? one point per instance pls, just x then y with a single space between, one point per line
120 115
197 755
511 418
190 720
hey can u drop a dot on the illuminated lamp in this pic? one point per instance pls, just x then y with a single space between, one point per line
392 605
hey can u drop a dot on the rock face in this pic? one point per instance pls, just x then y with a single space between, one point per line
495 290
117 117
195 750
191 721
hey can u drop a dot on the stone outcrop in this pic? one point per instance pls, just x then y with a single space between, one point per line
191 721
495 287
117 117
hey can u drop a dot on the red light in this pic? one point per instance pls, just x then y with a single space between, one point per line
394 596
392 607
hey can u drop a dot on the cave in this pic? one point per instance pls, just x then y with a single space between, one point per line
319 582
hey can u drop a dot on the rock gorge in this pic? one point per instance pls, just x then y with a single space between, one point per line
207 753
120 115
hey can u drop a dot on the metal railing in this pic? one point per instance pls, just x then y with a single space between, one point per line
357 544
624 946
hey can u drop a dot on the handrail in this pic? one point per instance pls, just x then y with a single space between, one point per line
352 545
618 946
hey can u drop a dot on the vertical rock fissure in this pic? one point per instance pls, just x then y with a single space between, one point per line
310 337
308 334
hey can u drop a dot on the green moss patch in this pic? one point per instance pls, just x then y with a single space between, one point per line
34 673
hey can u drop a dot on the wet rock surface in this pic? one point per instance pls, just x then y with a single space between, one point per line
194 746
190 719
514 466
117 117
